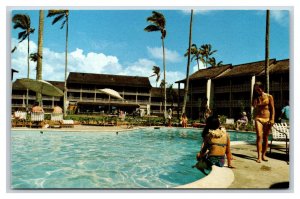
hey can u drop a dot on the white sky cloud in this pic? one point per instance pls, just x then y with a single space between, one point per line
195 67
171 55
203 12
279 16
79 61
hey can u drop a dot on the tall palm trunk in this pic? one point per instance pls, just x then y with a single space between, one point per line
165 90
66 66
28 70
186 87
267 51
40 52
198 63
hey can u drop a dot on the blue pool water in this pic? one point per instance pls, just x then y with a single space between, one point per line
147 158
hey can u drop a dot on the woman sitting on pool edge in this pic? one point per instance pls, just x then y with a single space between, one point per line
216 144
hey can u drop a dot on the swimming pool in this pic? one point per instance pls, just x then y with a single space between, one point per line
147 158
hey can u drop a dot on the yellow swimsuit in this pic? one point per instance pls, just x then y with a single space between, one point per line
261 106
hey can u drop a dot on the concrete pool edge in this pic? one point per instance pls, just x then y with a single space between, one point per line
218 178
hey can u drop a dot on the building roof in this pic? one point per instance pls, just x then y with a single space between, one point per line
278 67
248 69
58 84
108 80
208 73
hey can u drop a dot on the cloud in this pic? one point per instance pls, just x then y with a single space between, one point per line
201 12
201 66
280 16
54 62
171 56
79 61
143 67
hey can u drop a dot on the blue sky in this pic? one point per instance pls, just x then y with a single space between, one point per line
114 41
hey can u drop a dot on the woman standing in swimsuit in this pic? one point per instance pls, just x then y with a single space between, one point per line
264 113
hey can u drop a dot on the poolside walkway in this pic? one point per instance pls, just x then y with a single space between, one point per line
249 174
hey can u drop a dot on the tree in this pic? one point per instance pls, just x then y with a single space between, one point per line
196 54
39 54
172 94
156 72
162 85
23 22
206 52
158 23
267 51
212 62
186 85
58 16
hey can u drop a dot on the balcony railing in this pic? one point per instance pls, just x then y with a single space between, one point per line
198 90
33 97
233 103
97 91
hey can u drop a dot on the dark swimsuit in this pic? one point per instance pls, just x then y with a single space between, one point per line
216 160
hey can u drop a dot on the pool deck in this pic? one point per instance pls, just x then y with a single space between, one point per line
247 174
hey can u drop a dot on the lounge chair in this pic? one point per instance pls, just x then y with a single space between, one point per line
67 123
36 119
19 119
56 119
280 132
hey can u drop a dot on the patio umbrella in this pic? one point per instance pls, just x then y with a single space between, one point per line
111 93
41 86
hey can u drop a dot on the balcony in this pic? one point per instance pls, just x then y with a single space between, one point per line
33 97
233 103
198 90
222 89
97 91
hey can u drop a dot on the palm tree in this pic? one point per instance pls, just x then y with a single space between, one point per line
172 94
58 16
212 62
158 23
162 86
23 22
267 51
156 72
195 52
186 86
34 57
206 52
39 54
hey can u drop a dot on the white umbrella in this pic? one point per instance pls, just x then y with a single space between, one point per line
41 86
111 93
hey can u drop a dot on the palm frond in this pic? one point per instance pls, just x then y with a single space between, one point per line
21 21
14 49
18 25
52 13
22 34
152 28
212 52
63 24
58 18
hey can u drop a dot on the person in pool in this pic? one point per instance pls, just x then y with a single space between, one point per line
216 145
264 114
